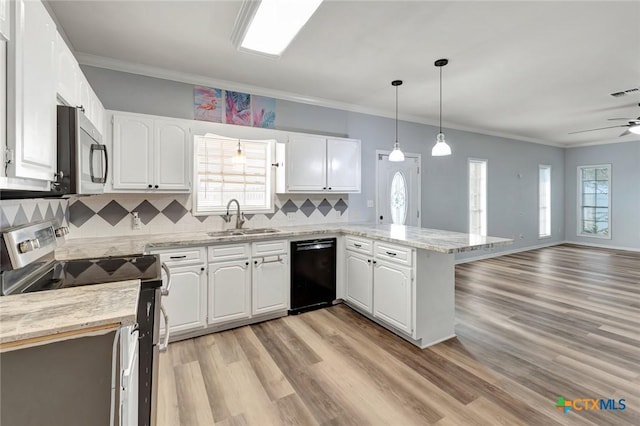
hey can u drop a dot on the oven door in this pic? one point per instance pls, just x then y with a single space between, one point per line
92 161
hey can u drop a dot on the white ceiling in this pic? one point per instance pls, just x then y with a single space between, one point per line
529 70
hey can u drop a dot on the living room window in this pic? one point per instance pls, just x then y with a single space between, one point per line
477 196
544 201
594 201
219 178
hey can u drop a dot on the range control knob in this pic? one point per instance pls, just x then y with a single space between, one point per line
62 231
28 245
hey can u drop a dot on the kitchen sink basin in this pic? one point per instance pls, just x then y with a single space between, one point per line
237 232
259 231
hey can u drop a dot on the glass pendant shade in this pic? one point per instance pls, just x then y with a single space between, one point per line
396 155
239 157
635 129
440 148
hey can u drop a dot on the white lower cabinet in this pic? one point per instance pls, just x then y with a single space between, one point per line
359 280
270 284
186 302
249 285
229 291
379 281
392 295
184 296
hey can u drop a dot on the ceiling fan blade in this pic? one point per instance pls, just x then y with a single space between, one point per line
625 133
625 119
600 128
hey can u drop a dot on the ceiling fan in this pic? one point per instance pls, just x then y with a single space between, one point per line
633 126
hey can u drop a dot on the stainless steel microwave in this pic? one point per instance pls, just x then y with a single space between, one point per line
83 160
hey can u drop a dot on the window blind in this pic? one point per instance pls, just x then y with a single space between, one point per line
219 180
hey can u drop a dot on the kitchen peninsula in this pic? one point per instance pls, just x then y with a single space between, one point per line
401 277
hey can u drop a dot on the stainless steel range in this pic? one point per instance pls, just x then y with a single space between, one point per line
28 265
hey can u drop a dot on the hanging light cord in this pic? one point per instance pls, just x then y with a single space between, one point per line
396 114
440 99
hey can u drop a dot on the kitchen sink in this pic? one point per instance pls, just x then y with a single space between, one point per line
237 232
260 231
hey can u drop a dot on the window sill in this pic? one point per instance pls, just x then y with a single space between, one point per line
544 237
601 237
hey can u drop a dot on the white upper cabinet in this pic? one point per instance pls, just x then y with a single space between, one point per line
5 22
31 90
132 152
306 166
68 73
172 158
343 165
150 154
317 164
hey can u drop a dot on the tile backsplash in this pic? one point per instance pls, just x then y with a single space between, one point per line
110 214
18 212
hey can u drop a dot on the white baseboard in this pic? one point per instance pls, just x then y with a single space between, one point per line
580 243
505 252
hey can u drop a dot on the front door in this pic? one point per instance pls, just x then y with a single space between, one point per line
398 189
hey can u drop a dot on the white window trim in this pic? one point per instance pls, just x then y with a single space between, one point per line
579 232
222 211
486 207
540 236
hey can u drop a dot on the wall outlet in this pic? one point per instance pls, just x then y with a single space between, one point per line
291 216
369 203
136 224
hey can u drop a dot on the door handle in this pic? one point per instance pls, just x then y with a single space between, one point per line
165 291
162 347
98 147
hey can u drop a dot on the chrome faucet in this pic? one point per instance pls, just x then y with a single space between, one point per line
239 216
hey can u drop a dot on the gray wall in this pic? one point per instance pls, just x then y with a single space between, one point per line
512 200
625 191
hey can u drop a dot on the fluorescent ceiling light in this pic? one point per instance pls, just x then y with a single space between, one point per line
275 23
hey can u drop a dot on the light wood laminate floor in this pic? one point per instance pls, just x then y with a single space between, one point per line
559 321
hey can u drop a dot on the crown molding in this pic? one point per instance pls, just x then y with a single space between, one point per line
196 79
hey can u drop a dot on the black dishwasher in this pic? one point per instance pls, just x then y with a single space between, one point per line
313 274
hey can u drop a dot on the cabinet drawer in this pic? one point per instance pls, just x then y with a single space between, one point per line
266 248
181 257
359 245
393 253
225 252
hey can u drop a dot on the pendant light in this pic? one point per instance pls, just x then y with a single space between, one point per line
441 148
239 157
396 155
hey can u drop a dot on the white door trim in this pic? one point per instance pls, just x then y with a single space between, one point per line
419 183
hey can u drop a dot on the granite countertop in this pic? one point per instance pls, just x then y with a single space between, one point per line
42 316
421 238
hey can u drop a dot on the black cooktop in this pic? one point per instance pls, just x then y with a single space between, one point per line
73 273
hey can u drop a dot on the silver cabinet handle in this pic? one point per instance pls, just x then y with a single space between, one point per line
165 290
278 260
162 347
390 253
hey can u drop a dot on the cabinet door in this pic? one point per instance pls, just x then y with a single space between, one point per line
5 22
84 94
172 156
186 303
392 295
359 276
306 167
270 284
343 165
229 291
132 152
67 71
32 92
96 111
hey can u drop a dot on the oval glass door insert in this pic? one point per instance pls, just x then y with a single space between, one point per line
398 200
